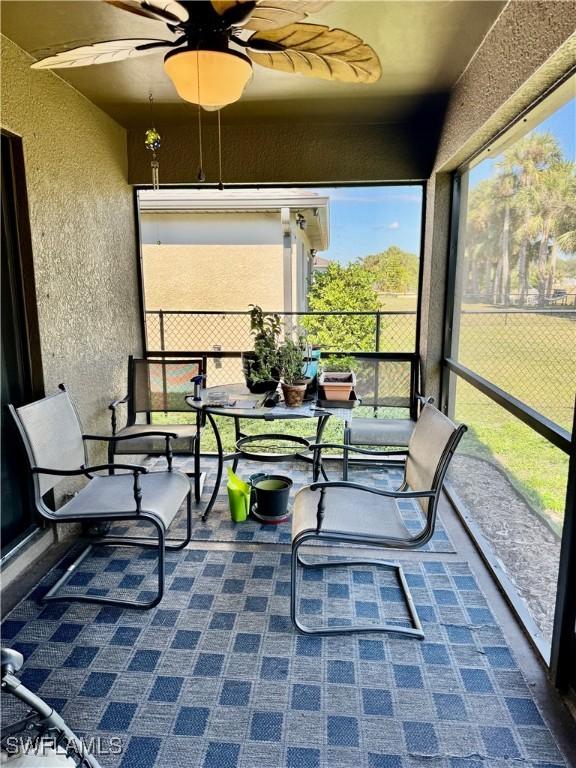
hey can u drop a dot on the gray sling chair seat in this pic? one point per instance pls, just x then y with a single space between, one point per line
56 448
389 381
345 512
158 386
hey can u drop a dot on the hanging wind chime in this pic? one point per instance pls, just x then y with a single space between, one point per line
153 142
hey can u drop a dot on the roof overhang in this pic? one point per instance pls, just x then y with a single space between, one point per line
313 207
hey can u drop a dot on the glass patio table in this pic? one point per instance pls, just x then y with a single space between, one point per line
236 402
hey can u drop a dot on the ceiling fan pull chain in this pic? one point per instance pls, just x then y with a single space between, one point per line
201 175
220 182
153 142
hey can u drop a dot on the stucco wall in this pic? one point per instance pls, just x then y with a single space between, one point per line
530 47
287 153
82 231
210 277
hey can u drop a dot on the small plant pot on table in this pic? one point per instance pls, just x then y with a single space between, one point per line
294 393
337 385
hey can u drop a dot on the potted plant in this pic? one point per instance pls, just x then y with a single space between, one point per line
261 369
337 378
292 364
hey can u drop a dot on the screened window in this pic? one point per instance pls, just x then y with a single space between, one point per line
515 313
514 325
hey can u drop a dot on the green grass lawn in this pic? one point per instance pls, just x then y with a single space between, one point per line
531 356
535 467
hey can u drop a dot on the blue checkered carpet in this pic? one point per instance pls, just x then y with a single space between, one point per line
219 526
216 676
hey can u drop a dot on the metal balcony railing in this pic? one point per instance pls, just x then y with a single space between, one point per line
182 330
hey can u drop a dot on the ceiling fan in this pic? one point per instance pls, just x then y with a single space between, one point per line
204 68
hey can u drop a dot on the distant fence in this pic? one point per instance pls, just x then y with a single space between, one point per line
528 352
384 331
560 299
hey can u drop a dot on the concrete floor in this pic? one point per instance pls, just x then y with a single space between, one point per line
553 707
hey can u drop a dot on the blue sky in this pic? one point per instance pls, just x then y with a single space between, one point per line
365 220
561 124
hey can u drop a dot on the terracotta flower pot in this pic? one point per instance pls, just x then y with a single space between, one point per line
294 394
337 385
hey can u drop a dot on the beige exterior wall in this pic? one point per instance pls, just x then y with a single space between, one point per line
82 234
210 277
531 46
219 261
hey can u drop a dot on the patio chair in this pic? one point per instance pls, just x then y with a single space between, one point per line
56 449
343 512
393 384
158 386
40 738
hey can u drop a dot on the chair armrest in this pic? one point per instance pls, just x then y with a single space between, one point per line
148 433
343 446
371 489
116 439
115 403
112 407
135 468
323 486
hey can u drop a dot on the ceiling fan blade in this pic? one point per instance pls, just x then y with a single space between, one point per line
168 11
317 51
102 53
223 6
271 14
234 12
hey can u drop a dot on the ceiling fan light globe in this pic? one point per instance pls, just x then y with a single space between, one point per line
210 78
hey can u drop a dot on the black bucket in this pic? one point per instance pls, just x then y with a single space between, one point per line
269 502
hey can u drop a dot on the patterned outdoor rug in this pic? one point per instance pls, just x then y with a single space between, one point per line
220 527
217 677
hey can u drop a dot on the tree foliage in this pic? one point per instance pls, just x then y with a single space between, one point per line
342 289
393 270
517 222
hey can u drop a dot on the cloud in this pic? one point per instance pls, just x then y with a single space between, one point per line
393 225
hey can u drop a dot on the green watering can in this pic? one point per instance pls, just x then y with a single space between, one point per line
238 497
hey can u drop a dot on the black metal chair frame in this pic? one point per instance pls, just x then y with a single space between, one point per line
161 543
433 495
132 414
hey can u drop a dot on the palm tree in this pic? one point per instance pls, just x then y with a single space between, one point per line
479 237
567 241
552 201
525 160
506 188
527 210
